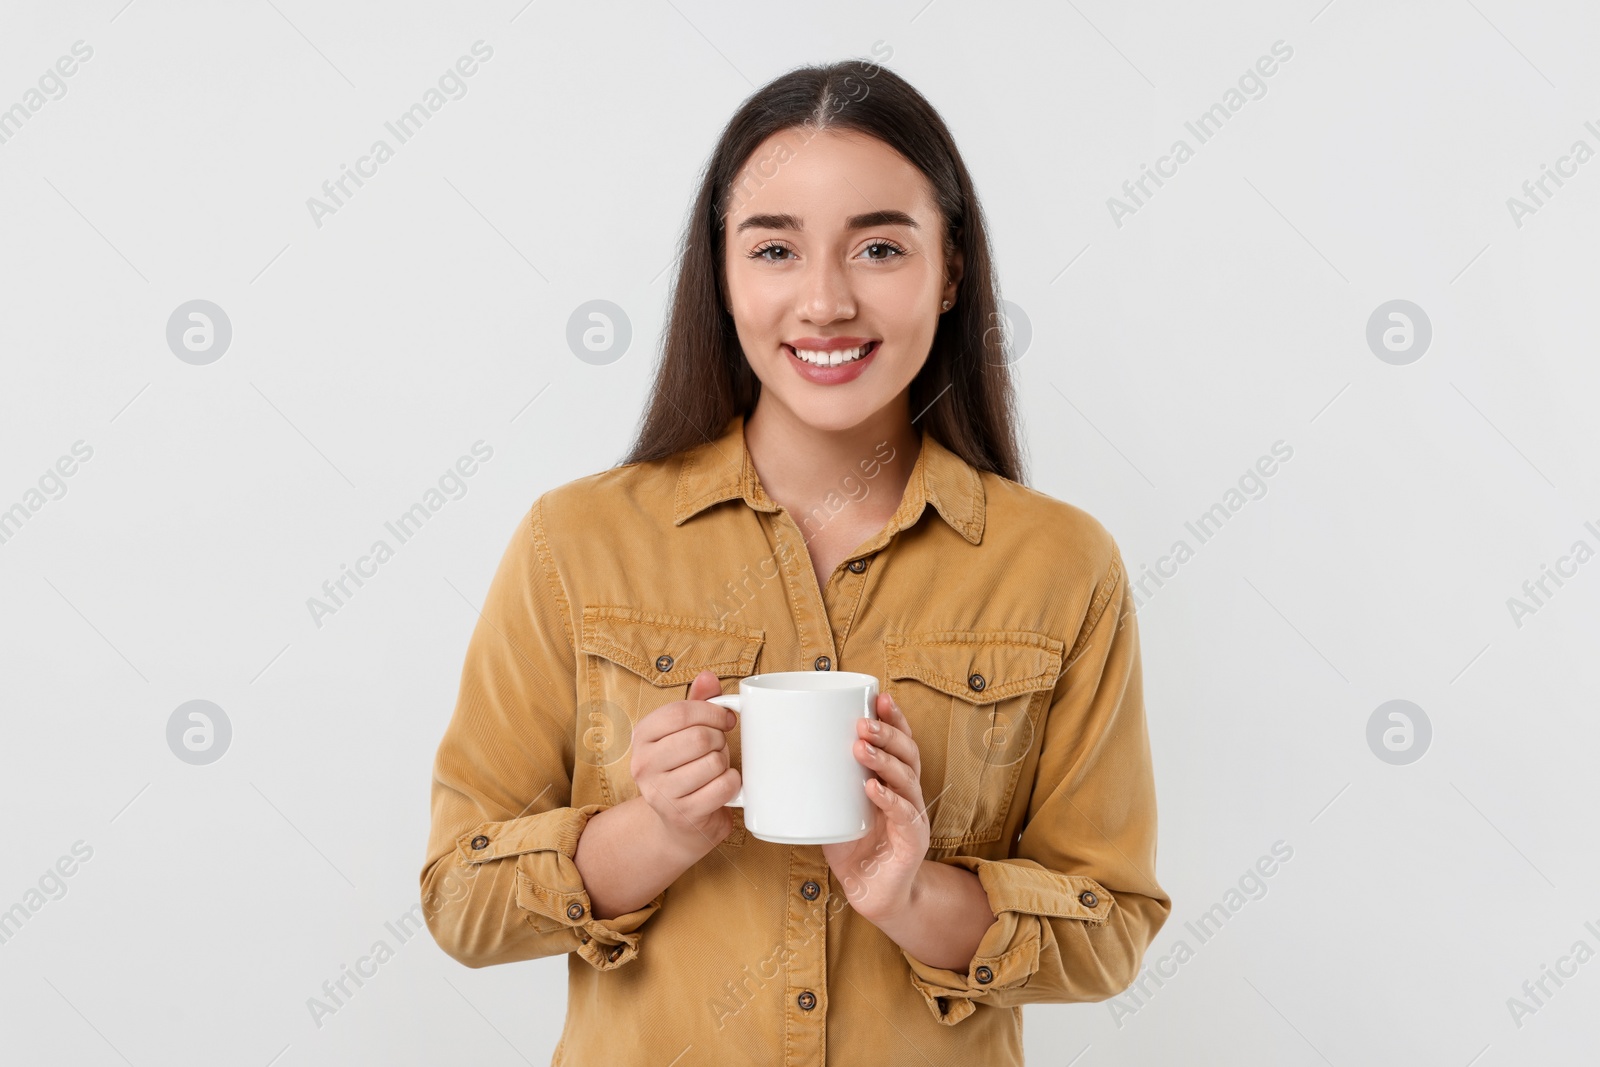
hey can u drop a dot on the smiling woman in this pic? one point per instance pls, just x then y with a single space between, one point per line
831 314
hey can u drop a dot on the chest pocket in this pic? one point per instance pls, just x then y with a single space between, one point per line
635 662
984 693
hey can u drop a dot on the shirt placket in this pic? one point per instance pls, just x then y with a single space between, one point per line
806 890
822 607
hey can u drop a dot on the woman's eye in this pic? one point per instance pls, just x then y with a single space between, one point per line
877 251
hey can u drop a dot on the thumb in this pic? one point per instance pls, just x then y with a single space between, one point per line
706 684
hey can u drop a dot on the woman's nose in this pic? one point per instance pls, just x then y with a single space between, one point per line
827 293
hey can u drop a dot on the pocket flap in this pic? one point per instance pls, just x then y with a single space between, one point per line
645 642
980 667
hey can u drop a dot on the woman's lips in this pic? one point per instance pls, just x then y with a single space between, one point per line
836 375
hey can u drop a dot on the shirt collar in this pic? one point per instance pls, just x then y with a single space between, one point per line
721 470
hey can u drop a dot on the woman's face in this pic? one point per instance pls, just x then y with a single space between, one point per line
835 267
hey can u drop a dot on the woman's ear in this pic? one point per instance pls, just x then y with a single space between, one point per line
952 272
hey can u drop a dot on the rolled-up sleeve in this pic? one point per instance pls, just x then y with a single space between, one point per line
1076 903
499 884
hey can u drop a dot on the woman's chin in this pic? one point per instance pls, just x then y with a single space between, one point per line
833 413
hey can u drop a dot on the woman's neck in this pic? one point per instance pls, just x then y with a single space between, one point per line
799 465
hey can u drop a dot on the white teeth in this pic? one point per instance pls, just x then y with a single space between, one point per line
834 358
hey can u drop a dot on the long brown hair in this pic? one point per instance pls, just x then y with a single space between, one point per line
963 395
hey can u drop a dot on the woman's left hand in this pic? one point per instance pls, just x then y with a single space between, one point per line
878 871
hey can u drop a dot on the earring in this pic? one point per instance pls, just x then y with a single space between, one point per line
946 305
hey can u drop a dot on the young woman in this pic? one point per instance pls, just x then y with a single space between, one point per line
827 478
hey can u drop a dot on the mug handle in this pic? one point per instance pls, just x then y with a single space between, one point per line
731 702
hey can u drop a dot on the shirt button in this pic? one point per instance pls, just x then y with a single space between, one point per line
976 682
810 890
663 664
823 663
1088 899
614 953
480 842
984 975
857 566
807 1000
574 911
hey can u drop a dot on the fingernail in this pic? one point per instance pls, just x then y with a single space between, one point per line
873 726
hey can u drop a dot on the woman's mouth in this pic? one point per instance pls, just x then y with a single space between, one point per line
831 367
833 358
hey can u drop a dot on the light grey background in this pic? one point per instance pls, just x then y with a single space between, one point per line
430 312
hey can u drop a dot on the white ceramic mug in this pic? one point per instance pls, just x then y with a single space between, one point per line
802 784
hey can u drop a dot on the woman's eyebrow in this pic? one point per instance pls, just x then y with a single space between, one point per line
888 217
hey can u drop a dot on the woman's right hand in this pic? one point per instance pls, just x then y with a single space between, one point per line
680 764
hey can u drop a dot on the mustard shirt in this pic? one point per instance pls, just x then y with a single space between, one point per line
1000 620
